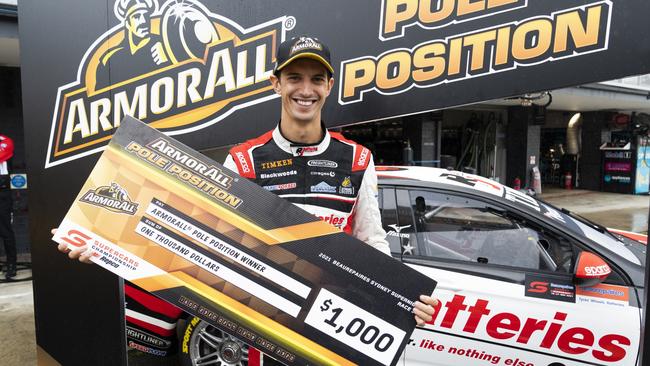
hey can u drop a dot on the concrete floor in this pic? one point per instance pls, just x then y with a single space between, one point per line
18 346
619 211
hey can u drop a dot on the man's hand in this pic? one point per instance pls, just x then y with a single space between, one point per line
424 309
81 253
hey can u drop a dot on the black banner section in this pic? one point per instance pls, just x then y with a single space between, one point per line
206 66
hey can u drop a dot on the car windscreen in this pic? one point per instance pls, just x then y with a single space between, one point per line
631 250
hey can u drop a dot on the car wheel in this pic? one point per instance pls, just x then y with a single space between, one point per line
203 344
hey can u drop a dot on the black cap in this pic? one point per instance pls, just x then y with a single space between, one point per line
303 47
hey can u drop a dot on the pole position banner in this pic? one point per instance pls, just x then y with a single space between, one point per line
184 66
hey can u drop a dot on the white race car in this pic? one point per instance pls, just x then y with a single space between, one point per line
520 282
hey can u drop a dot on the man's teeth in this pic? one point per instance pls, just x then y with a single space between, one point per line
304 102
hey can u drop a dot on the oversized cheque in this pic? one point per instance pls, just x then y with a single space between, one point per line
222 248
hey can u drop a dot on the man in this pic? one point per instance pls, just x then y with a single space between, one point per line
317 170
6 231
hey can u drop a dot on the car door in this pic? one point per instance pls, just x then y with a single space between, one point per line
506 290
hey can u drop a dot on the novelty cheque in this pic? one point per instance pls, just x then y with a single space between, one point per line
222 248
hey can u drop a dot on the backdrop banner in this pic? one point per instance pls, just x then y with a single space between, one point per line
198 70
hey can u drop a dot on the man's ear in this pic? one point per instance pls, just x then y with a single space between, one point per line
330 85
275 81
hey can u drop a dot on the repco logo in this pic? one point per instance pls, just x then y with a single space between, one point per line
175 65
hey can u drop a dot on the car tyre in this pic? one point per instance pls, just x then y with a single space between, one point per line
202 344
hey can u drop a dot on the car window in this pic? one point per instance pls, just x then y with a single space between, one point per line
465 229
388 210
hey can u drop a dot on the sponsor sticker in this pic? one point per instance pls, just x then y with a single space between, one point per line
550 288
323 163
397 231
276 164
346 187
300 151
280 187
363 157
278 174
147 338
304 43
242 162
324 174
607 294
323 187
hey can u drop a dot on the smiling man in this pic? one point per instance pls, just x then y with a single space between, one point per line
320 171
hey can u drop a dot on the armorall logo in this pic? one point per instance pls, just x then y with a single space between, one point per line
174 64
113 198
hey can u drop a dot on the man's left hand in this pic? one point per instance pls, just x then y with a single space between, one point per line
424 309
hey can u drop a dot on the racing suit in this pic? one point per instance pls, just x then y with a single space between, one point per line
334 179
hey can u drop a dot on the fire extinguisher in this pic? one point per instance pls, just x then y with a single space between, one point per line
517 183
568 180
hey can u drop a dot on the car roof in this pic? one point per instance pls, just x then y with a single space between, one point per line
448 179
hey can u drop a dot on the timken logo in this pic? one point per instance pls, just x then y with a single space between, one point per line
175 65
113 198
276 164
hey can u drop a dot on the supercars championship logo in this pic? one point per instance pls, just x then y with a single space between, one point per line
176 66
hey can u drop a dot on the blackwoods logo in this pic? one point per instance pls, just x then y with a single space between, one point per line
178 67
113 198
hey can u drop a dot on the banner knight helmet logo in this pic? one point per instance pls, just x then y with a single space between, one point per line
176 66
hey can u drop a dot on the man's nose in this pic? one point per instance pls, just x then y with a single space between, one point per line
307 87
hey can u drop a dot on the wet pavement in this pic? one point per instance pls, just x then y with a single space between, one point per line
613 210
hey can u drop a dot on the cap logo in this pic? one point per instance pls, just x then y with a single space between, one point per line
304 43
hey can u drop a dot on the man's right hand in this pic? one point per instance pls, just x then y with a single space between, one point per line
81 253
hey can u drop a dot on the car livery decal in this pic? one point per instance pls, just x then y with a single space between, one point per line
492 322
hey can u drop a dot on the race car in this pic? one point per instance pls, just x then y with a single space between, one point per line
520 282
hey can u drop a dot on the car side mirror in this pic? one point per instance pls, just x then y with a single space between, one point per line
590 270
